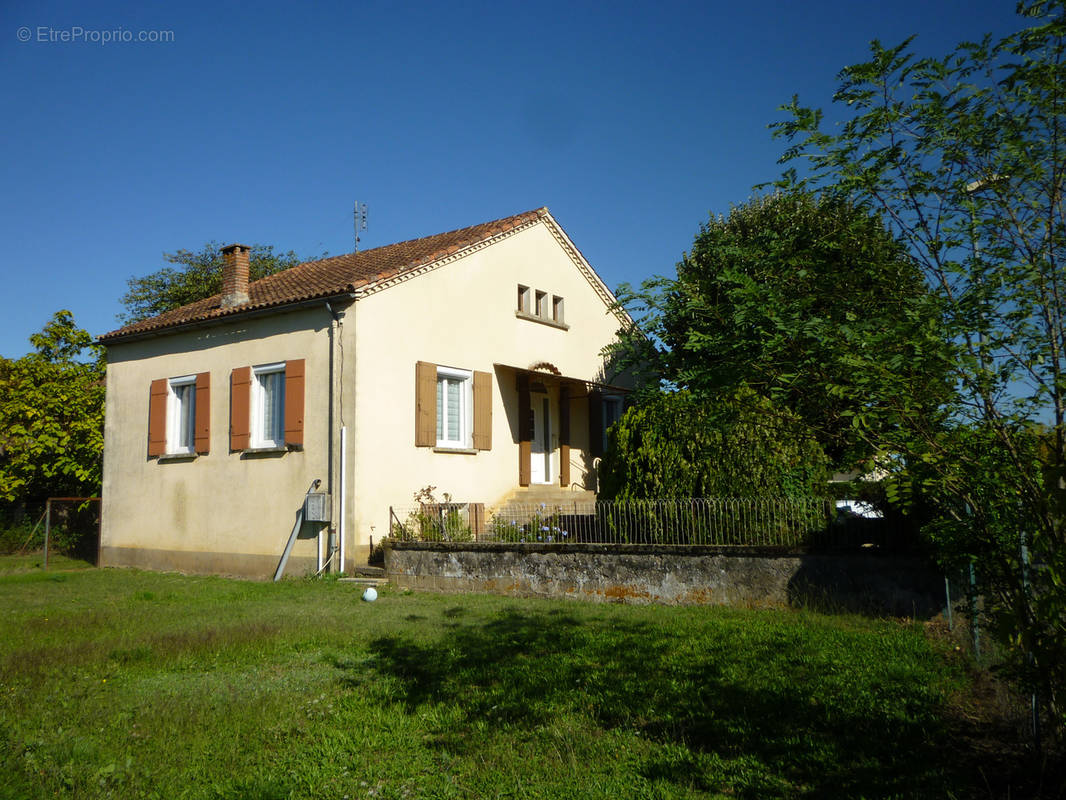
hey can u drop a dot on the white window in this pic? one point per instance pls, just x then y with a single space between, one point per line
454 407
268 406
523 299
612 412
181 414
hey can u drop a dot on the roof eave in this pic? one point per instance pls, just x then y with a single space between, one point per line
348 296
598 284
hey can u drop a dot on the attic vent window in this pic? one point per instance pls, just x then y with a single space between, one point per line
536 305
542 304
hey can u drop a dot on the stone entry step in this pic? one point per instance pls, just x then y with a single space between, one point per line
548 495
366 571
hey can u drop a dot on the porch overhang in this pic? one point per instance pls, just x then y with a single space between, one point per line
550 375
538 377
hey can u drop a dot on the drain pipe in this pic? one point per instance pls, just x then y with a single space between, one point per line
331 546
343 489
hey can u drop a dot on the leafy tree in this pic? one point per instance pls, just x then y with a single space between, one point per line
674 444
780 296
966 157
198 275
52 416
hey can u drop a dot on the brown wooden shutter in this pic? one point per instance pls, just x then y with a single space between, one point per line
157 417
240 408
596 423
202 423
482 411
525 430
564 436
476 515
294 401
425 404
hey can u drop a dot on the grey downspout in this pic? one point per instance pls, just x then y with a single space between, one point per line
331 546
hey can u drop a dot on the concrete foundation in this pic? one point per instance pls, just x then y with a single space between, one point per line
241 565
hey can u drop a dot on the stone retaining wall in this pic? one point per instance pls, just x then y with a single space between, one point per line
752 577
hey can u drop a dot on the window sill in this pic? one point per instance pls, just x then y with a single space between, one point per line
551 323
167 457
268 452
462 451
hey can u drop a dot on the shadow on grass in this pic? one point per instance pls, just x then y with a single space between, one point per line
772 716
870 584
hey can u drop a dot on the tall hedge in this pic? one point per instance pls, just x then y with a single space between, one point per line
675 445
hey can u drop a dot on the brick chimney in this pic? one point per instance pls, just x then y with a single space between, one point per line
235 275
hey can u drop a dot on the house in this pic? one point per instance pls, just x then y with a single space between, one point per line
469 361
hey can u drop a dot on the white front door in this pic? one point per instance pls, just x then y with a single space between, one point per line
540 466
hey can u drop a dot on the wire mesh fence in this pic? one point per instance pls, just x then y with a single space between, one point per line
757 522
62 525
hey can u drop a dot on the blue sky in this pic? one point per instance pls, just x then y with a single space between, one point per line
263 123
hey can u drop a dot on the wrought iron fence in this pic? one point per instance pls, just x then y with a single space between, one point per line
760 522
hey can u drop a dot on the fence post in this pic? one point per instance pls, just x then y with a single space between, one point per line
947 598
1034 700
974 627
47 527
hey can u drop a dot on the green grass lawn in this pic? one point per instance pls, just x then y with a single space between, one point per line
129 684
17 564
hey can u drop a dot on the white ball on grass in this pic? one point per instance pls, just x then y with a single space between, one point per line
371 594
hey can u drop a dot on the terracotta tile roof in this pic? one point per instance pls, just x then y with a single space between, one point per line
330 276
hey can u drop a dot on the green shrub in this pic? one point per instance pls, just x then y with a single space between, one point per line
678 445
433 520
543 525
17 536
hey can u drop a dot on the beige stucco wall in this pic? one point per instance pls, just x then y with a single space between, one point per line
462 315
221 512
231 513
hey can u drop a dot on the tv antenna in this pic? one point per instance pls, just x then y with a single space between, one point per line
360 221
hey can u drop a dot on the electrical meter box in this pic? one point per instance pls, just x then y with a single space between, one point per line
316 507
